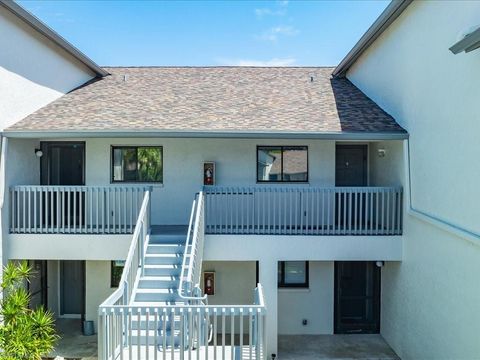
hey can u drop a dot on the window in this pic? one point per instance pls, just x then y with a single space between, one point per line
282 163
293 274
116 272
137 164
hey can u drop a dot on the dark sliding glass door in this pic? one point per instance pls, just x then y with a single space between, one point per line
62 163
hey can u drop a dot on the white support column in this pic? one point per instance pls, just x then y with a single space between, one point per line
268 273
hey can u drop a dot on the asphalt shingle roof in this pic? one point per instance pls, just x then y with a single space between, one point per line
243 99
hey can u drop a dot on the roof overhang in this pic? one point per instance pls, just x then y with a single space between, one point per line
469 43
50 34
387 17
341 135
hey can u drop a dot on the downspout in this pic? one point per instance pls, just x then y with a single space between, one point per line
441 223
3 160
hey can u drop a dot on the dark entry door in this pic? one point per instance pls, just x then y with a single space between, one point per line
63 163
72 280
351 165
350 170
357 297
37 286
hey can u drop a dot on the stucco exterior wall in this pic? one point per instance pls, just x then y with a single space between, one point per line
430 301
97 287
314 304
234 282
183 167
432 93
33 70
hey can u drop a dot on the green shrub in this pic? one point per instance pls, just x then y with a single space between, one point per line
24 333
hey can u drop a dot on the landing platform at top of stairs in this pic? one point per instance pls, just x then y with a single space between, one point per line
169 229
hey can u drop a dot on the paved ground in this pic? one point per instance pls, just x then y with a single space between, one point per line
73 344
338 347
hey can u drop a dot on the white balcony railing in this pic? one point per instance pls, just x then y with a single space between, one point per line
204 331
75 209
282 210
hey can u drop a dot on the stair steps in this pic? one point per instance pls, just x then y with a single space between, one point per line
158 286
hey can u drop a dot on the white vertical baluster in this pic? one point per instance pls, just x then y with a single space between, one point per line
240 332
215 331
250 331
232 334
223 333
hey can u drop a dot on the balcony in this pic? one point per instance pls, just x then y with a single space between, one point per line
279 210
98 221
74 209
256 210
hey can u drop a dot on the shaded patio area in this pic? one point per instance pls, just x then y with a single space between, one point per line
338 347
73 344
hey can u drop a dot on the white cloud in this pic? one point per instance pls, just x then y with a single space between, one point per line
262 63
279 10
272 34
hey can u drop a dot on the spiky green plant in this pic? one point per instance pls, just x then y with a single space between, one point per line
24 333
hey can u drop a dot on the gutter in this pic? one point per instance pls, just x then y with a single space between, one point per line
132 133
432 219
386 18
53 36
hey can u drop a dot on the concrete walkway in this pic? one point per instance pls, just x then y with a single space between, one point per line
73 344
338 347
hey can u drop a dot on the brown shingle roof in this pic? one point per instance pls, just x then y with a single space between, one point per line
243 99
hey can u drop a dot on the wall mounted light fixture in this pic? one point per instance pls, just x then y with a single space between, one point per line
381 152
38 153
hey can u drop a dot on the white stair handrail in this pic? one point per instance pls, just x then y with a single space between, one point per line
193 251
135 257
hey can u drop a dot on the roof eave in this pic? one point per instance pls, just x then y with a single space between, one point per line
387 17
50 34
340 135
469 43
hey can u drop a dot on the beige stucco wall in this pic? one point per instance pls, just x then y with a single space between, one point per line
430 301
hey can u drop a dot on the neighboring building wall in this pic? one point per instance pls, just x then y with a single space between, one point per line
33 70
430 302
97 287
314 304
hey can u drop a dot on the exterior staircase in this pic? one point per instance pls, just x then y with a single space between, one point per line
158 308
158 286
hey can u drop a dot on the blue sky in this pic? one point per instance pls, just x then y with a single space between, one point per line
196 33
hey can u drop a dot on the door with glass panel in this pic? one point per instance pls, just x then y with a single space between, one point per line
357 297
63 163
